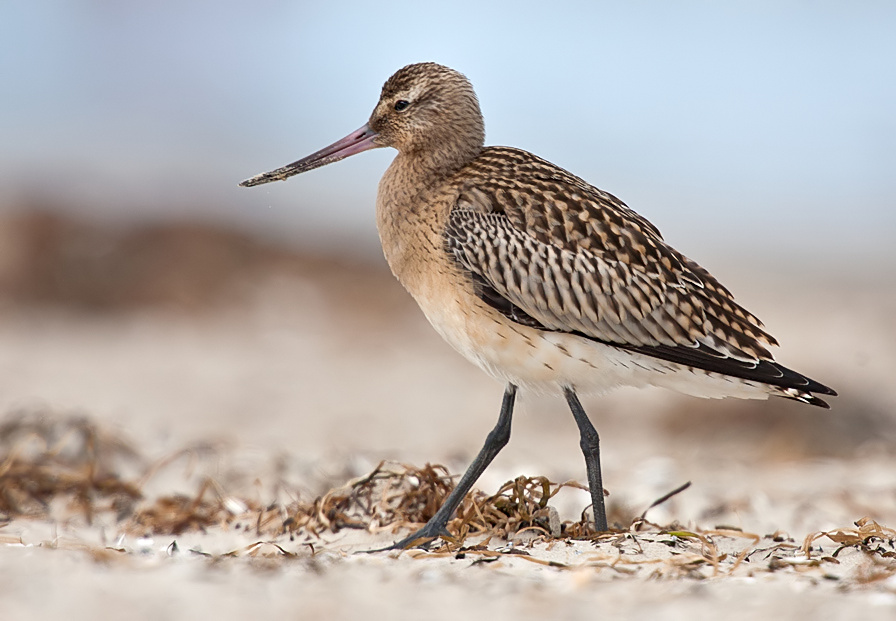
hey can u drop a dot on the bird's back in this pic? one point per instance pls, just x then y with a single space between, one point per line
550 251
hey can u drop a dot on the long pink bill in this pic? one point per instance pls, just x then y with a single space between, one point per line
356 142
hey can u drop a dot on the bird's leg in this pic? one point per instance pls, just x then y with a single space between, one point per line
590 443
494 442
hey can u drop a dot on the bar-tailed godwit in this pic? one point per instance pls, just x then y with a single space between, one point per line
544 281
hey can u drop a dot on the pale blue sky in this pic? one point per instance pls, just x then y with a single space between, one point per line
730 125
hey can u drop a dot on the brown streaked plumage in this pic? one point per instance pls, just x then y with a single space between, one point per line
541 279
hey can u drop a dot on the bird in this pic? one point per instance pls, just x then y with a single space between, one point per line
544 281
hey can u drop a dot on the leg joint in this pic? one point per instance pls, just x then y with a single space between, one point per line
498 437
589 440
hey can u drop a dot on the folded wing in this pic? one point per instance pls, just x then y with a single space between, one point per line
552 252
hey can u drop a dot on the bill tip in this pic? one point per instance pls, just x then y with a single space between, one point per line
253 181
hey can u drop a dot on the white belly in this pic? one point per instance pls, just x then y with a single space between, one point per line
546 362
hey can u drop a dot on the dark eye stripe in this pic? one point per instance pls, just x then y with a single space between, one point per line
401 105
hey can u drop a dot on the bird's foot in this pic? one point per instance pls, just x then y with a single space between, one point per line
422 539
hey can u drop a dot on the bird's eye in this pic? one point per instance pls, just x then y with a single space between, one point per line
401 105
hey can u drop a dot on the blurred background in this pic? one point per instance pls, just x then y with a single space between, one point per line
738 127
141 286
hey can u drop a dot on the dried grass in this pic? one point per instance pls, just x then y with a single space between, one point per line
399 496
44 461
65 468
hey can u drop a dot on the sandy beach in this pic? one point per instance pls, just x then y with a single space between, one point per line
195 373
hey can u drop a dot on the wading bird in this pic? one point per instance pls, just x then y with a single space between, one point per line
542 280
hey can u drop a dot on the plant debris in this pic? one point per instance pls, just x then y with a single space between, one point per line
61 469
44 460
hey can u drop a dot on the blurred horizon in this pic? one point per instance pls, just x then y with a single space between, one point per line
740 130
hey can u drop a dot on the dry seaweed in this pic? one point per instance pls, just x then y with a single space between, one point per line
58 468
875 541
399 496
177 513
45 460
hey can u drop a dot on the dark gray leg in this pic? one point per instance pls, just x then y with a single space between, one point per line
494 442
590 443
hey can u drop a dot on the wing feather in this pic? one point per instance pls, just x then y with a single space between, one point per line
577 259
550 251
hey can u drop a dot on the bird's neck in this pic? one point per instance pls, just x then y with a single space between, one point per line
412 207
415 172
427 166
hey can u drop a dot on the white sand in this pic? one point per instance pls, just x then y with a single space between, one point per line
285 387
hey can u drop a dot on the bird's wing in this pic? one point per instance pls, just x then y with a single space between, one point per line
569 257
550 251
